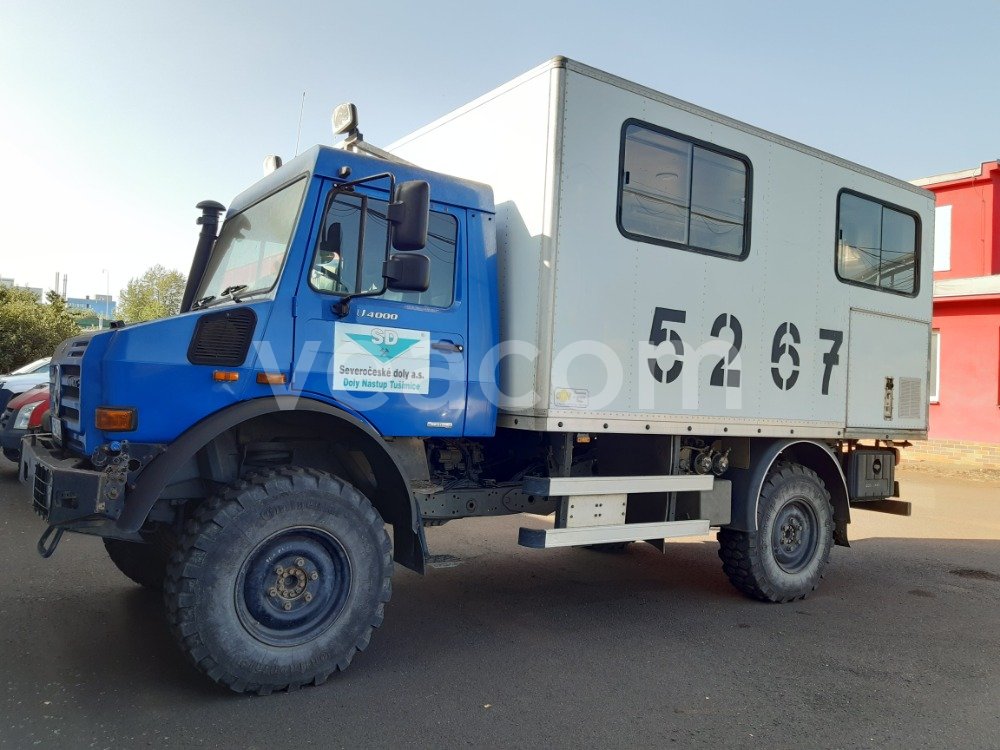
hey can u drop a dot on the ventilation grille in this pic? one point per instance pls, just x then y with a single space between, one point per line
910 400
223 338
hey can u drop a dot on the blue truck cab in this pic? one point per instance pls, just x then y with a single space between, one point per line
256 349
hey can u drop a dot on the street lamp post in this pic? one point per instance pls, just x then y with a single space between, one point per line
107 295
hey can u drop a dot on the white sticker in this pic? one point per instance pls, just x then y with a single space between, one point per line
571 398
381 359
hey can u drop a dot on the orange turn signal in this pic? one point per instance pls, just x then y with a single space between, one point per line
225 376
115 419
271 378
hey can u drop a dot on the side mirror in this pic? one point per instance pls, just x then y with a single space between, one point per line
409 214
407 273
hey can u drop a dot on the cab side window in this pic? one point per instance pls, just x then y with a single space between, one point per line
335 262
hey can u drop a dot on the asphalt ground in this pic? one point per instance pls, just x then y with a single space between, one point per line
506 646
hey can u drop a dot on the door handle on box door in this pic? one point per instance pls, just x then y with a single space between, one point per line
447 346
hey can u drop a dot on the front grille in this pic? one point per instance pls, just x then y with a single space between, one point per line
8 415
67 390
77 348
69 395
223 338
40 490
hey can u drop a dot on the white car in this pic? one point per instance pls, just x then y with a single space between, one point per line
23 379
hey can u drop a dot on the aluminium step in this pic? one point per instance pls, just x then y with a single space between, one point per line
631 532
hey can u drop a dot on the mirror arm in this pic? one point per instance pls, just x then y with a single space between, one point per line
343 305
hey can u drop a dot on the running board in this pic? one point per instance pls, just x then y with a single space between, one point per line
566 486
631 532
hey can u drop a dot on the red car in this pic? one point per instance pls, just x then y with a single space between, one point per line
23 414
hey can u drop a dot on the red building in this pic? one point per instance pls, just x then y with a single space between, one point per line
965 346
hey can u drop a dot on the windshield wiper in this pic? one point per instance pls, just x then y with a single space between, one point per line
229 293
251 293
223 295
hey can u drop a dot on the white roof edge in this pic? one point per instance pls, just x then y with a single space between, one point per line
972 286
739 125
964 174
555 62
560 61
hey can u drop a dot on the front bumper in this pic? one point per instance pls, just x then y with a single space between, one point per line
65 491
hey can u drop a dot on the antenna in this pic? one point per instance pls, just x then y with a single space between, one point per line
299 131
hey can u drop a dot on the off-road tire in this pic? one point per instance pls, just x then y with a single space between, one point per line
765 564
227 627
146 564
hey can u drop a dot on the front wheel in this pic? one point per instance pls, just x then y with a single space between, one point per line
279 581
144 563
784 558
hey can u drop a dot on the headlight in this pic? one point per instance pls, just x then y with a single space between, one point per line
24 416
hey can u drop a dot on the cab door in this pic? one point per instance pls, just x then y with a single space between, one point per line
399 358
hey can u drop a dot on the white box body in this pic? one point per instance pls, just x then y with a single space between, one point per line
578 297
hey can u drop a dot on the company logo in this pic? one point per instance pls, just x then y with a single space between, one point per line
384 344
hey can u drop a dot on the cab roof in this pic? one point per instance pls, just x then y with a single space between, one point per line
327 162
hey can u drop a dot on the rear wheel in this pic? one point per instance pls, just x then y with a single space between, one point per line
784 558
608 547
279 581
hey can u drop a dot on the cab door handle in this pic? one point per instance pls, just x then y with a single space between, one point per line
447 346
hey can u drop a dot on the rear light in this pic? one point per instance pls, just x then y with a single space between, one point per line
115 419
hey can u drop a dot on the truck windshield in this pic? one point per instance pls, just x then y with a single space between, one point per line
252 245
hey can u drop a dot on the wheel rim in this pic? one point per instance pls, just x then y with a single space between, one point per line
794 535
293 586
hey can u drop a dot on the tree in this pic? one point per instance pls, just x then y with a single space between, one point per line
30 330
156 294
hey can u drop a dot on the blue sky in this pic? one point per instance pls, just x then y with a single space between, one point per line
117 117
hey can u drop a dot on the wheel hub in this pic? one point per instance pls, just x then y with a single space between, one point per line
293 586
291 582
794 537
791 533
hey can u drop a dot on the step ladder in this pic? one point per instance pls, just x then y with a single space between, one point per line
592 510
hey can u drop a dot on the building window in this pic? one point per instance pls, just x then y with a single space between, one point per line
942 238
876 244
677 191
935 384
